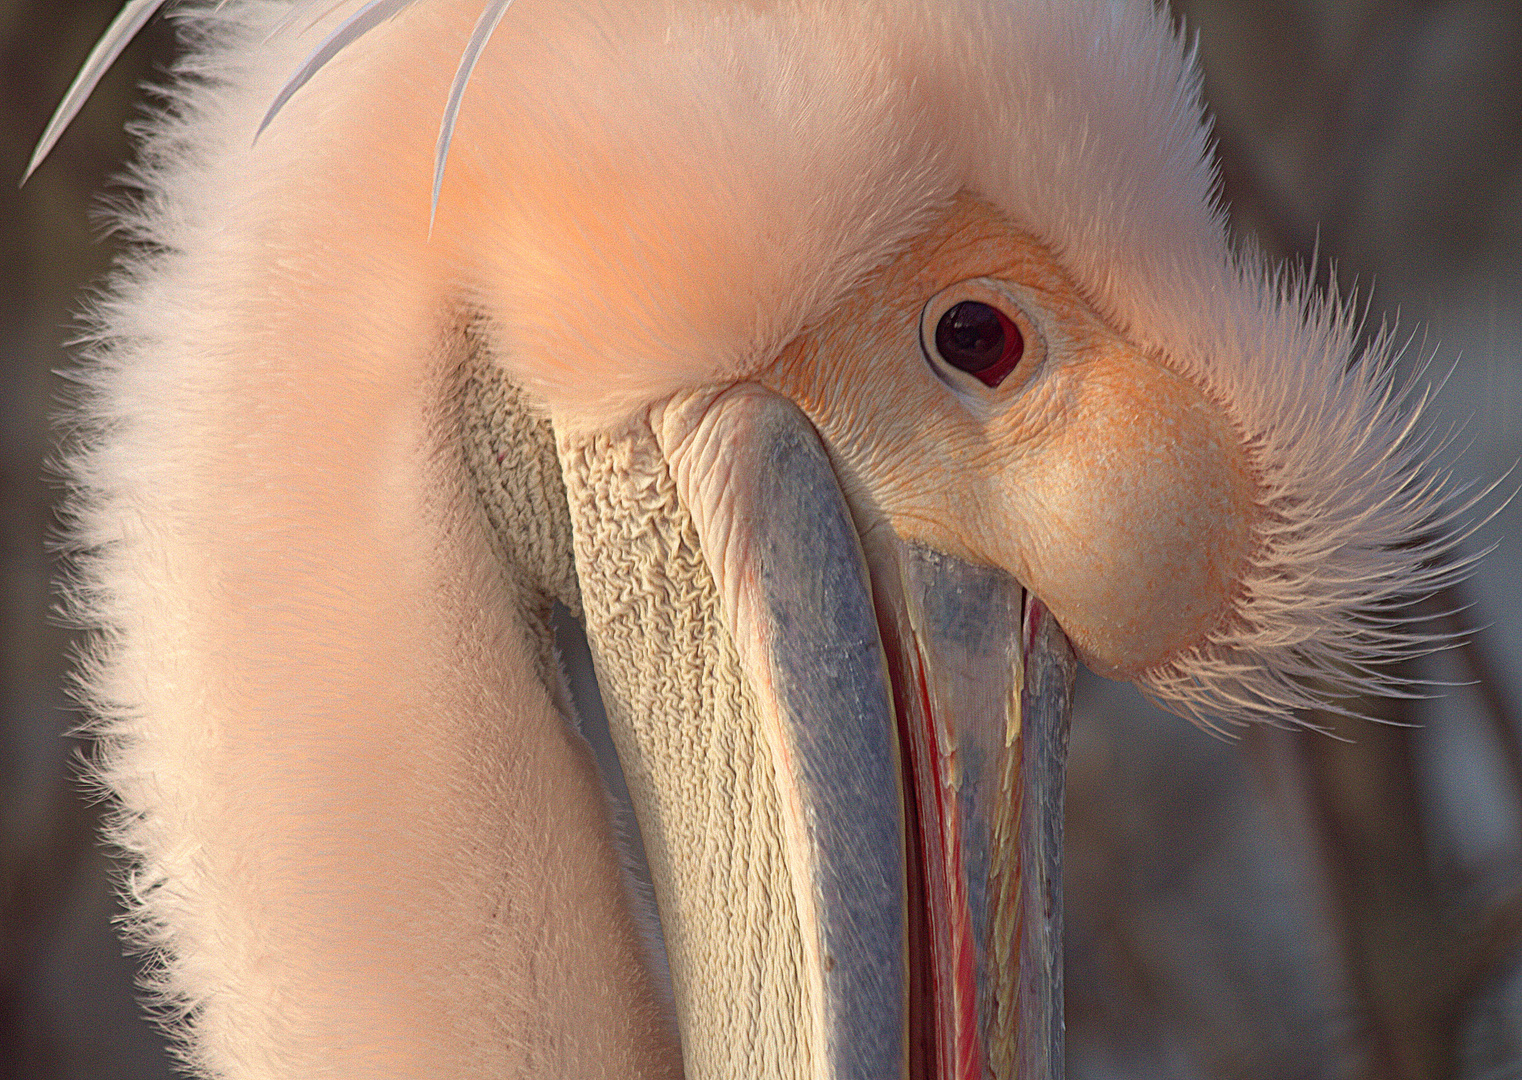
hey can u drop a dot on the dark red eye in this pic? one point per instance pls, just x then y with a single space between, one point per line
979 339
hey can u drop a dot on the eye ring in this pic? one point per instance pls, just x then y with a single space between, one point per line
978 329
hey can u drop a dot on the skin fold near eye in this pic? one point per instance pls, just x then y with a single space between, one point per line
1105 482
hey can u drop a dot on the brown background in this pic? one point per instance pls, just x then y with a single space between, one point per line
1281 906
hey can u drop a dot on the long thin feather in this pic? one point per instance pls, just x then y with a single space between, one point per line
355 27
132 18
477 44
298 9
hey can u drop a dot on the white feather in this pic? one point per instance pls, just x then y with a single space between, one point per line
490 17
132 18
641 198
356 26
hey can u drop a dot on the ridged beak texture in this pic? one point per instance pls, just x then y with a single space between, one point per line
906 713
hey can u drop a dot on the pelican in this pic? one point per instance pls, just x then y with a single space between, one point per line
847 367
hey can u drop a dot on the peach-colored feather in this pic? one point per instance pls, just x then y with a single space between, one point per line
278 548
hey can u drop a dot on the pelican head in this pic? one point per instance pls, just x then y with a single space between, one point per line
846 367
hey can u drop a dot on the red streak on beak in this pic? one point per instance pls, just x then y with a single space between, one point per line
982 681
950 961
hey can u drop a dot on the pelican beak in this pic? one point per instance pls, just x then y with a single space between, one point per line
982 680
916 708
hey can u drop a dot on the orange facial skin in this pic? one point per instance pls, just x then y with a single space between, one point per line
1108 484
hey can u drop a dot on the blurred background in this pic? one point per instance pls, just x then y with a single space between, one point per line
1284 905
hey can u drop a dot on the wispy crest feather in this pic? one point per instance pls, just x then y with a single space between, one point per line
356 26
137 14
490 17
132 18
1355 528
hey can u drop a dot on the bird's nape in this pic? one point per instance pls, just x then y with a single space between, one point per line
836 363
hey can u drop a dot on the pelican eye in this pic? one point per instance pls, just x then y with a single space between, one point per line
979 339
